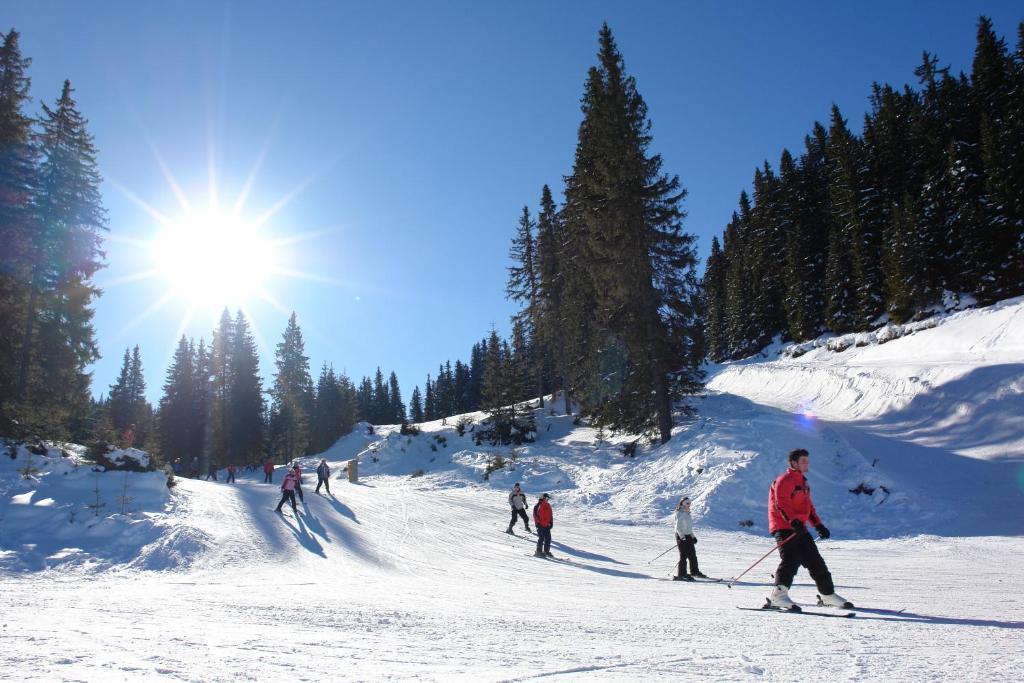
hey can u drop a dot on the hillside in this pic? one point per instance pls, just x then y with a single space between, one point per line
409 573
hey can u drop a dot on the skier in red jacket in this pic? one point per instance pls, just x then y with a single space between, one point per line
544 520
789 511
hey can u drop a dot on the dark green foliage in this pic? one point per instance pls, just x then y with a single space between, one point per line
929 198
416 406
51 218
292 396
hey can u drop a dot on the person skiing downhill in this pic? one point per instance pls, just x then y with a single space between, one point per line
545 520
323 472
288 486
789 510
517 500
298 481
686 542
268 471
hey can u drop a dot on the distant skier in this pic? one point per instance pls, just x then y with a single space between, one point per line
194 467
231 473
323 472
545 520
789 509
212 472
268 471
298 481
288 487
517 500
176 466
686 542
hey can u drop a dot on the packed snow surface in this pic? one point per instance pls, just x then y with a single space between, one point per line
917 467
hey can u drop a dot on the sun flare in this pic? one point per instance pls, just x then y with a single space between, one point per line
214 259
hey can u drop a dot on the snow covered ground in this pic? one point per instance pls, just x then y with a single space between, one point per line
409 574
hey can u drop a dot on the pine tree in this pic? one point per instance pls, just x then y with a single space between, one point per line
364 401
381 399
416 406
640 263
397 408
18 227
57 341
429 401
524 287
177 423
246 410
292 394
714 303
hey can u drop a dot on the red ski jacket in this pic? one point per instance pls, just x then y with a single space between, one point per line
789 498
542 516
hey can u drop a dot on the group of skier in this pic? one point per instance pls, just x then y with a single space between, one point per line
292 483
790 510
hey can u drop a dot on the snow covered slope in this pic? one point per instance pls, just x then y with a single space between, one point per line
916 467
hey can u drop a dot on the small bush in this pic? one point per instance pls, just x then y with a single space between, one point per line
409 430
629 450
496 463
417 473
746 523
460 426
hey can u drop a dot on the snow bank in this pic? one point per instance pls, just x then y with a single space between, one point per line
58 509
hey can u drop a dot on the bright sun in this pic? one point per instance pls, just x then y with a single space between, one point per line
213 259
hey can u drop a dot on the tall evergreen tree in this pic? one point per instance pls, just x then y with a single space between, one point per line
246 411
18 226
416 406
57 342
177 424
396 410
292 394
640 263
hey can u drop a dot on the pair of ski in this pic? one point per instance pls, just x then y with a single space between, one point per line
844 612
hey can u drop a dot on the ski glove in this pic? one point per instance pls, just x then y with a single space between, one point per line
798 527
823 531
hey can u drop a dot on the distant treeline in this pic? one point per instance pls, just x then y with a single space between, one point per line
926 204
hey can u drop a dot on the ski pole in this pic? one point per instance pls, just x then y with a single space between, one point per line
732 581
662 555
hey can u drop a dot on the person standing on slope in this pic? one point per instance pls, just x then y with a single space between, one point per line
288 487
231 473
323 471
686 542
545 520
268 471
789 511
517 500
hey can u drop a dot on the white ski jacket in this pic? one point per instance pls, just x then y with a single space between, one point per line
517 500
683 522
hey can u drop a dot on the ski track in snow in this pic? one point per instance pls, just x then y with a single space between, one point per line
440 592
413 578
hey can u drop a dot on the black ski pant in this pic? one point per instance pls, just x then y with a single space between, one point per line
286 495
268 477
231 477
515 515
543 539
802 551
687 551
324 483
298 490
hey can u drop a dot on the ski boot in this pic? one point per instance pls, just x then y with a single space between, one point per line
834 600
779 599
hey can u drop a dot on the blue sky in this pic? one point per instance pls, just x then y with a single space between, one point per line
400 140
